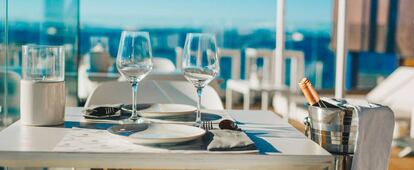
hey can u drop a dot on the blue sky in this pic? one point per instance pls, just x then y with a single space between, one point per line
183 13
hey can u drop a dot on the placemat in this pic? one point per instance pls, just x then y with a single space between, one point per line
93 140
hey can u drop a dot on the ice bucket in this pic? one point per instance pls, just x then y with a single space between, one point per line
335 130
42 88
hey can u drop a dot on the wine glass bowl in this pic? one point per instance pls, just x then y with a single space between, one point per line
134 61
200 63
199 77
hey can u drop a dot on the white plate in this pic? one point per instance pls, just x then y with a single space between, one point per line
159 110
156 133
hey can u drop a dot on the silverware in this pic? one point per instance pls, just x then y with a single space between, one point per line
207 125
109 110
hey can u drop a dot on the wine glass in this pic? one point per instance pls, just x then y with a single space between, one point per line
200 63
134 62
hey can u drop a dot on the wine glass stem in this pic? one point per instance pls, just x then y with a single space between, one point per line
198 115
134 115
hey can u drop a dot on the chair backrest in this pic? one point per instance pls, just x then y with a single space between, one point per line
233 54
163 64
396 92
268 75
251 68
13 90
178 56
297 67
235 57
181 92
318 74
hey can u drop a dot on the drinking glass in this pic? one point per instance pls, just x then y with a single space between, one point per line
134 62
200 63
42 88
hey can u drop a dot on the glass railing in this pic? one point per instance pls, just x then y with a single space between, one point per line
46 22
90 32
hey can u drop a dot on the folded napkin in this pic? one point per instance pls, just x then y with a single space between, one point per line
228 140
375 131
112 111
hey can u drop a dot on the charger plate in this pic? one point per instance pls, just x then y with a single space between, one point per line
160 110
157 133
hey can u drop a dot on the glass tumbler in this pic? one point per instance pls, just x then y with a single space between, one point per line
42 88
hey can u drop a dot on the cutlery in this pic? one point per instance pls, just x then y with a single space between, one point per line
207 125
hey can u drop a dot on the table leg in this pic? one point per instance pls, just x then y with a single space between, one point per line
229 99
246 100
265 100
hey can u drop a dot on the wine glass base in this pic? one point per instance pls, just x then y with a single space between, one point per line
134 121
197 124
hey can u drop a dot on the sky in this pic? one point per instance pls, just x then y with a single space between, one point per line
184 13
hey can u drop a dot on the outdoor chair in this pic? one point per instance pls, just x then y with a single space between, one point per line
262 80
233 54
149 91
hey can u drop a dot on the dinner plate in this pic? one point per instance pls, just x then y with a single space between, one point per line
160 110
157 133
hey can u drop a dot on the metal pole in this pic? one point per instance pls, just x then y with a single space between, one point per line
280 43
341 49
279 62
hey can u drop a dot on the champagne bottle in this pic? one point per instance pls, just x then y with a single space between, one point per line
310 93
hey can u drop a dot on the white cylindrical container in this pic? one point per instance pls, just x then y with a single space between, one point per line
42 103
42 89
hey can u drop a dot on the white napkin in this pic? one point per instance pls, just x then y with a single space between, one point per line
375 131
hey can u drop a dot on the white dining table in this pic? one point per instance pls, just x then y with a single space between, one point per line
280 146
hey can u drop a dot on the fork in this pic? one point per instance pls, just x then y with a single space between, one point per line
207 125
109 110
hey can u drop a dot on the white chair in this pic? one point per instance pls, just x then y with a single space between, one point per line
285 103
163 70
396 91
233 54
181 92
255 81
85 85
178 56
163 64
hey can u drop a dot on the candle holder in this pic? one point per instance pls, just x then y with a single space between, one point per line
42 88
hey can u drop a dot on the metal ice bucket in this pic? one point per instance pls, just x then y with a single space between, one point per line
333 128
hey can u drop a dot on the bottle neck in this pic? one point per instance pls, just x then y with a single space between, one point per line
309 92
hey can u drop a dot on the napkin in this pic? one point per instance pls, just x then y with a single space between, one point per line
375 131
228 140
112 111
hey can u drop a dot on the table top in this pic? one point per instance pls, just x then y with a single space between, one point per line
280 145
